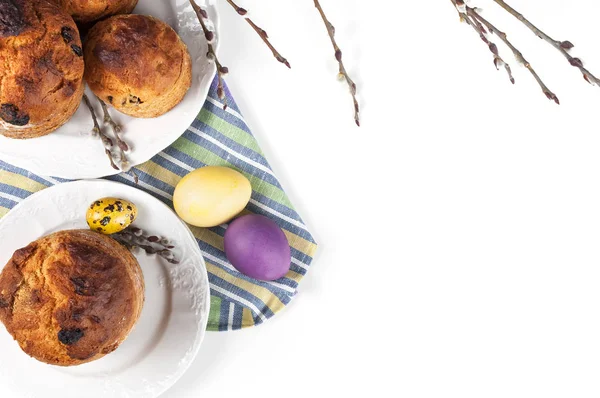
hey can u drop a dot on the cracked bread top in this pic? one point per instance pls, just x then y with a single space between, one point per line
41 74
138 64
71 297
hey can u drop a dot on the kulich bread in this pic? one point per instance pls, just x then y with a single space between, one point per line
41 82
88 11
71 297
138 64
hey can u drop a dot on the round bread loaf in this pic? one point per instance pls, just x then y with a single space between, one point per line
88 11
138 64
71 297
41 82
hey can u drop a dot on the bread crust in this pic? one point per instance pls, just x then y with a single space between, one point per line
138 64
71 297
41 78
86 12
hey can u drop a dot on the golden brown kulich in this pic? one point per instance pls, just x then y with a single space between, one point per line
138 64
41 81
71 297
87 11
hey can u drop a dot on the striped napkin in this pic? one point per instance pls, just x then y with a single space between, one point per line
215 138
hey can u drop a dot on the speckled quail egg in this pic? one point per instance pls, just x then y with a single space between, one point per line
110 215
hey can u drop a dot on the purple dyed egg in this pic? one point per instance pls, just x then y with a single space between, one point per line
258 248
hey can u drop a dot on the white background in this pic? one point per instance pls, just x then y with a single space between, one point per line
459 227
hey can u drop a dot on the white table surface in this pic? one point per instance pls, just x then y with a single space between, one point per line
458 228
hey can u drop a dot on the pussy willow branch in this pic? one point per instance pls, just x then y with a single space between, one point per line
122 145
482 32
115 127
518 55
124 148
562 46
261 32
467 11
97 131
119 162
134 238
338 56
212 55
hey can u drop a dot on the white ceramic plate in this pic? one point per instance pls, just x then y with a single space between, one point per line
71 152
173 322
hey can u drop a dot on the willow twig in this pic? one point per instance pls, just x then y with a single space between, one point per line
261 32
343 74
97 131
134 238
212 55
124 148
518 55
470 12
562 46
482 32
122 145
115 127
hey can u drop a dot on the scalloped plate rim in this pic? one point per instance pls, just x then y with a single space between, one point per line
23 154
201 333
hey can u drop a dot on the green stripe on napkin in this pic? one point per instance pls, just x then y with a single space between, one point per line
217 138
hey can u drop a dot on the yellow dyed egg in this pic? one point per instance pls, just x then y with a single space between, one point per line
110 215
210 196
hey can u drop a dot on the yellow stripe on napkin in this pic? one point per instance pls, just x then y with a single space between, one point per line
19 181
